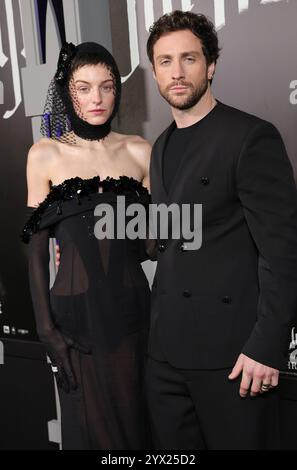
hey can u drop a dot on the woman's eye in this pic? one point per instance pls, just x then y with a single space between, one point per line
83 89
107 89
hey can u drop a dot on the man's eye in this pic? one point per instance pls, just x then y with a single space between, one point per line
164 62
190 59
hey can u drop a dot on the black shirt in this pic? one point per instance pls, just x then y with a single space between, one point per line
174 151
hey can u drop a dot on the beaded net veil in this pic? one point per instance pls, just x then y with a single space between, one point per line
63 118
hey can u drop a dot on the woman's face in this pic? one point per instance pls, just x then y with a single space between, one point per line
93 93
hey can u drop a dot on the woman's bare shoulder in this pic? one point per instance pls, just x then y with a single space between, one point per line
42 153
40 156
136 145
42 148
129 138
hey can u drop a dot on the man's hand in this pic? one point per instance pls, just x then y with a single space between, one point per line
255 376
57 255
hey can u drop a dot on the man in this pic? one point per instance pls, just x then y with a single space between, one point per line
220 314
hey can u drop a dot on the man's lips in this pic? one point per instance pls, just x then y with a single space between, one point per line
179 88
97 111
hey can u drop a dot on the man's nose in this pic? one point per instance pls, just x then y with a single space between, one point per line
177 71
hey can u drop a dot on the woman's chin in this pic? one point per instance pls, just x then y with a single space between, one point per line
97 120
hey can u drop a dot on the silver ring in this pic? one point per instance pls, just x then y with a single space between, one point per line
54 369
265 387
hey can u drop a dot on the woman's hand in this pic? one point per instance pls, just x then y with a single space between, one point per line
57 346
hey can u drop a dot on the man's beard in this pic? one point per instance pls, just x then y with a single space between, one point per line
190 100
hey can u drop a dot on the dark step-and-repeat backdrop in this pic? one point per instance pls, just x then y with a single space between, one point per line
257 72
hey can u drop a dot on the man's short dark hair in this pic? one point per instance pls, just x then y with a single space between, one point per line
178 20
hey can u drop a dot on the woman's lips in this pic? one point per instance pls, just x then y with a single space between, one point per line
97 111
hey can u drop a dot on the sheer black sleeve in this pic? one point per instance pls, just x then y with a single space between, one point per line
56 344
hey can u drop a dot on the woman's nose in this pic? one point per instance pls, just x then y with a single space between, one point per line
97 98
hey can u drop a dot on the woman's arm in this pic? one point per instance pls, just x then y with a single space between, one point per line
37 172
57 345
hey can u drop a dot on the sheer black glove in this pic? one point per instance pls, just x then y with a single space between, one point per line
56 343
58 346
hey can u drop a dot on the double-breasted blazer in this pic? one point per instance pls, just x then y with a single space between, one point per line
238 292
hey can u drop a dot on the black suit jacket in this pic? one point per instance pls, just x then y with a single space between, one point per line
238 292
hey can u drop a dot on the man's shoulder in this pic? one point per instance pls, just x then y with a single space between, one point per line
228 119
235 118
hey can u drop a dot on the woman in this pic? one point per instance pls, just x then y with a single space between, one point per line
94 321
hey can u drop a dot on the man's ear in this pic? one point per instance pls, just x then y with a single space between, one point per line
211 71
153 71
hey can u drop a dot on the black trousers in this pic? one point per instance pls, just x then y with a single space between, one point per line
202 409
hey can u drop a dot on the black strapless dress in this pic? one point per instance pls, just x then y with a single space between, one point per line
101 299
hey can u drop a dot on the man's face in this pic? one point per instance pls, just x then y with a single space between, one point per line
180 69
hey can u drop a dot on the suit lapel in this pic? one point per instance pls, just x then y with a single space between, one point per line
159 193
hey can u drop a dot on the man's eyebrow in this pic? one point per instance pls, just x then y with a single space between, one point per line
183 54
164 56
197 53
